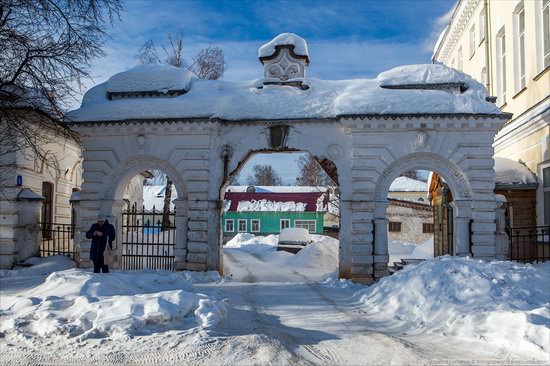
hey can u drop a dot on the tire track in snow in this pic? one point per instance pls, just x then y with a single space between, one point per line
272 328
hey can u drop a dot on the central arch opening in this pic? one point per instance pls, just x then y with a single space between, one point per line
280 218
145 217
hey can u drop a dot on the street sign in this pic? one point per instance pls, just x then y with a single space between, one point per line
19 180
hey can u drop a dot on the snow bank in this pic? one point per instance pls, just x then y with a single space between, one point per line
503 303
300 45
78 303
405 184
512 172
40 266
160 78
324 99
323 252
243 239
271 206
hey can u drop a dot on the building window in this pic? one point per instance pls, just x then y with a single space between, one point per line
483 76
427 228
47 210
306 224
460 65
546 193
255 226
501 66
242 226
546 32
482 25
229 226
453 63
394 227
285 223
473 44
519 50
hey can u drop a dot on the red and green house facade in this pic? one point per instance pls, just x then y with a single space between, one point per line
265 213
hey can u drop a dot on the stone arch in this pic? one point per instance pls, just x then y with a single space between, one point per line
453 175
129 168
460 188
112 203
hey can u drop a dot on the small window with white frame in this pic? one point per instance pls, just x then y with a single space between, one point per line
229 225
255 226
306 224
501 66
519 49
482 25
473 43
285 223
242 226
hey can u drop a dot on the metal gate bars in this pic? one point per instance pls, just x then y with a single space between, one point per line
57 239
148 239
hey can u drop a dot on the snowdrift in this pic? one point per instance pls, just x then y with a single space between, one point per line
78 303
40 266
502 303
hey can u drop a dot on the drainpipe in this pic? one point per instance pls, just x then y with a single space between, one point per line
488 52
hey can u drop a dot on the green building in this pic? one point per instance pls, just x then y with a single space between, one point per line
264 213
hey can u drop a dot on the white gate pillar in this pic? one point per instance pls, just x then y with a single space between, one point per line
27 233
180 247
462 214
381 256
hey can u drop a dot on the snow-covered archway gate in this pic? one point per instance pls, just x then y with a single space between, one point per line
198 131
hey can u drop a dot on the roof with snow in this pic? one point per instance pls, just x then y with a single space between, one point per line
277 189
164 92
274 202
153 197
513 173
405 184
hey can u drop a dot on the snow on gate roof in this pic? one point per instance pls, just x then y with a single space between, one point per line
413 89
271 201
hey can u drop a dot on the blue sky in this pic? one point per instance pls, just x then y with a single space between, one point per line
346 39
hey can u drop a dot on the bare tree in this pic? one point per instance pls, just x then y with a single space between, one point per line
208 64
264 175
311 173
46 49
148 54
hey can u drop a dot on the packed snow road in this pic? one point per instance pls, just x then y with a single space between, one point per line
275 308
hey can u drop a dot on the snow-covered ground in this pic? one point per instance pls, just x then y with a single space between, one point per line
276 308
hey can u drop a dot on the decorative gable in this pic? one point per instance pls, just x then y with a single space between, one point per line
285 59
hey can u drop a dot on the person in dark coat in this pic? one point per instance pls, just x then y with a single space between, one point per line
100 233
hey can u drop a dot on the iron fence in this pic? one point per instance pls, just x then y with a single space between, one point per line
529 244
148 239
57 239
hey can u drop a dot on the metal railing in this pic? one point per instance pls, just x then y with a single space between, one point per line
57 239
147 241
529 244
